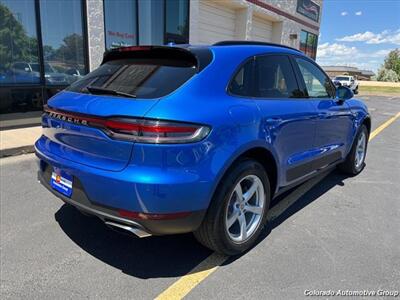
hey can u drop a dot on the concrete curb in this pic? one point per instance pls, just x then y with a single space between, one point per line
17 151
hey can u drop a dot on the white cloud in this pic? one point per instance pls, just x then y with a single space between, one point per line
380 53
337 50
336 54
358 13
344 13
386 36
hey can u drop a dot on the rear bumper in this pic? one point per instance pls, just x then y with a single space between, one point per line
110 217
155 181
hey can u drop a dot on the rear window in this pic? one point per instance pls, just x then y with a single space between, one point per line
141 77
342 78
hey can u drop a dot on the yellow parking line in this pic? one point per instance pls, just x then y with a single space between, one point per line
383 126
188 282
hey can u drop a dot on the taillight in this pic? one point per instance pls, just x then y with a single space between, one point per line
139 130
155 131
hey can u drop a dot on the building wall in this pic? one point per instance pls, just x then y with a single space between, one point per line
248 16
247 12
358 75
338 73
95 26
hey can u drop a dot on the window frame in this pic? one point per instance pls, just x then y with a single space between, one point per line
104 22
236 72
166 34
252 88
291 67
85 37
300 77
42 82
313 48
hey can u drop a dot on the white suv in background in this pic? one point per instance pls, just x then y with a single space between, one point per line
347 81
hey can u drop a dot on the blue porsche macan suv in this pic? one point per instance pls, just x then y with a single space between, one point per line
174 139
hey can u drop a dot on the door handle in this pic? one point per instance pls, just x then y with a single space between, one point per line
274 120
325 115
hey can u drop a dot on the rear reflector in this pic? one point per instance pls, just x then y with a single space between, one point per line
139 130
146 216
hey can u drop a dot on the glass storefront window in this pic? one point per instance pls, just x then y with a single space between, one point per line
308 44
63 45
303 41
177 21
18 43
145 22
151 22
120 23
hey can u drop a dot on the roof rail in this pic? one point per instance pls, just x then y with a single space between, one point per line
234 43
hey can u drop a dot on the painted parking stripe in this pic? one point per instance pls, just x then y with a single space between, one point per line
188 282
383 126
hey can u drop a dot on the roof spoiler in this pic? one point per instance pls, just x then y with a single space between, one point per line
184 56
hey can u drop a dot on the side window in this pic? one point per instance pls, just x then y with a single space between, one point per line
318 85
275 78
241 84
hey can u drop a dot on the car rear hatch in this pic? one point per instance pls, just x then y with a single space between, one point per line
77 122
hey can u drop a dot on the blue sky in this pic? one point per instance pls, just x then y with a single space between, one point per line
358 32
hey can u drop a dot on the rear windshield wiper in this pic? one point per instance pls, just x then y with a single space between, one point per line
100 91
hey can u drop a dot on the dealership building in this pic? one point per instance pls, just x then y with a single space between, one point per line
334 71
45 45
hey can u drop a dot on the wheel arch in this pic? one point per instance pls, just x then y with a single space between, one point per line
367 123
264 156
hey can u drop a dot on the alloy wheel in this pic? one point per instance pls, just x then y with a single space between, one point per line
245 209
360 150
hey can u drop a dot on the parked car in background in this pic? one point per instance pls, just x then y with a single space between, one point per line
336 83
75 72
174 139
30 72
347 81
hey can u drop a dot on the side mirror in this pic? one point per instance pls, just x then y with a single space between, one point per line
343 93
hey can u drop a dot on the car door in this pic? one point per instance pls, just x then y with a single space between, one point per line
287 116
334 119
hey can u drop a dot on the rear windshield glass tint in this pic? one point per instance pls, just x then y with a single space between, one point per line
143 78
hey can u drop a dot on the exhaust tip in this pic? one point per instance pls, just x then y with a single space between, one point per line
127 229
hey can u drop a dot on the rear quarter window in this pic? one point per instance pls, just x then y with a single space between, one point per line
241 84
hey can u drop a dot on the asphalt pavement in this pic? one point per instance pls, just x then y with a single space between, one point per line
333 233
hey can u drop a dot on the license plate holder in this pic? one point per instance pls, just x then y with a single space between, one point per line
61 181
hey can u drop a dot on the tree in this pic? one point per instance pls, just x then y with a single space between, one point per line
392 61
71 50
15 44
48 51
387 75
390 71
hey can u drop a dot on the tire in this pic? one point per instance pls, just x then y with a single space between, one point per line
353 165
356 90
223 235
